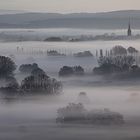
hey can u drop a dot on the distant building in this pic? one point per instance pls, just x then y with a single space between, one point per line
129 32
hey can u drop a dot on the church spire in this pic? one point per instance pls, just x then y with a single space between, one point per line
129 32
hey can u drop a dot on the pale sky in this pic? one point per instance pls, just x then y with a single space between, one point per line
70 6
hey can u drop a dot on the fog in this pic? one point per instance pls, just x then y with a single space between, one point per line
34 117
16 35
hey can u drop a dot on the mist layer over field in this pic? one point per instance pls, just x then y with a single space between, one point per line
33 117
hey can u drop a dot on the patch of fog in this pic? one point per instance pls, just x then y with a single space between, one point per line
45 107
34 116
123 97
99 96
53 64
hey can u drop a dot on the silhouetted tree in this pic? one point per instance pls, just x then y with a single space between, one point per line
76 113
37 71
119 50
41 84
83 54
28 68
66 71
55 53
132 50
115 64
72 112
7 66
11 86
106 68
78 70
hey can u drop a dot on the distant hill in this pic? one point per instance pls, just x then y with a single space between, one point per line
3 12
106 20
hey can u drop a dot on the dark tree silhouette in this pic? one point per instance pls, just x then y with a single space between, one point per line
7 67
106 69
11 86
83 54
68 71
132 50
41 84
76 113
28 68
108 65
119 50
72 112
78 70
37 82
37 71
55 53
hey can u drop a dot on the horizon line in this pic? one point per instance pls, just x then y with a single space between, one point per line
82 12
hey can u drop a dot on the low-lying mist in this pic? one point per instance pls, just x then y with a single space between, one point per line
34 116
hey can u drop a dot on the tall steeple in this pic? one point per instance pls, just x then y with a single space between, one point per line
129 32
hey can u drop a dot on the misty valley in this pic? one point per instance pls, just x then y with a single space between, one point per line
69 89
